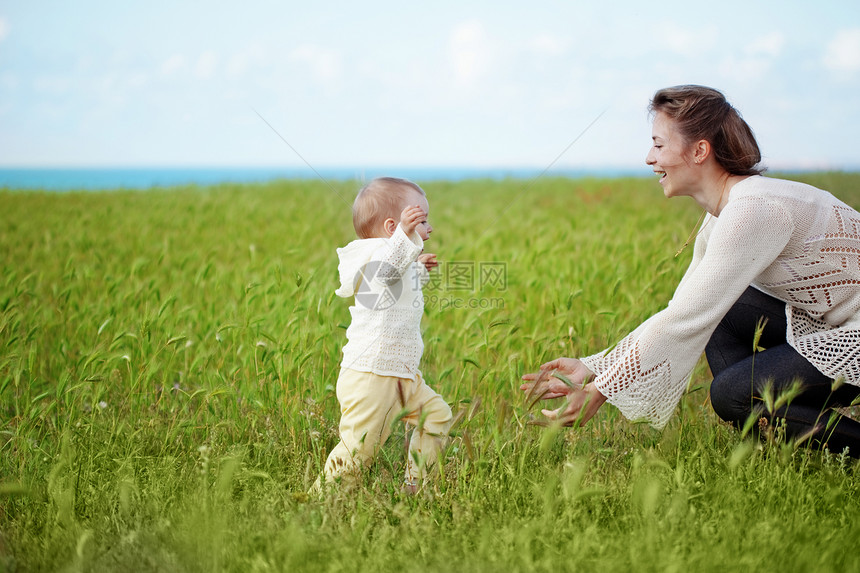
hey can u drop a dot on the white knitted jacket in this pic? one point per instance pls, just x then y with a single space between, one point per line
384 336
790 240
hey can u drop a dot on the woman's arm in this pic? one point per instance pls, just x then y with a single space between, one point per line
645 374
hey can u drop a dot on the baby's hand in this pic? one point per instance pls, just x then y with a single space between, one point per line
411 217
428 260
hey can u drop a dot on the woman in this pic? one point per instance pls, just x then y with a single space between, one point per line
776 265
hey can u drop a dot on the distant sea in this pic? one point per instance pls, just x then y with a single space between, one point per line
94 179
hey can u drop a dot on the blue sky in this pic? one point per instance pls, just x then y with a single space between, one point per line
479 84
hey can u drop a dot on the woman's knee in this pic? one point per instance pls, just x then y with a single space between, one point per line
728 402
714 352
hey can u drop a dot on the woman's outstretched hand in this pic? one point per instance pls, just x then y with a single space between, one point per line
565 377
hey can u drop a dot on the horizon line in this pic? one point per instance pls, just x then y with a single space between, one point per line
376 167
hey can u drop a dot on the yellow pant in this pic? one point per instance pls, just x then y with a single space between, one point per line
369 404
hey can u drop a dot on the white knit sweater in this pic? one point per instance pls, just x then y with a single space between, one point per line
384 336
792 241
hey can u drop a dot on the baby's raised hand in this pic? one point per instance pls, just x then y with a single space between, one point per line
411 217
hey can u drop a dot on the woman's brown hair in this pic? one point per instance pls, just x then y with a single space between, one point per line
703 113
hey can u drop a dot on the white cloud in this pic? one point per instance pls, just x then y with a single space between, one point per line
754 61
240 62
469 51
52 84
549 45
325 64
687 41
767 45
109 90
746 69
206 65
843 52
9 81
236 65
137 79
4 29
173 64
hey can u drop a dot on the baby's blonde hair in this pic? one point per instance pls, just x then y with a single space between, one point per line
380 199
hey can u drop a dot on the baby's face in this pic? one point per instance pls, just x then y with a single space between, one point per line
424 228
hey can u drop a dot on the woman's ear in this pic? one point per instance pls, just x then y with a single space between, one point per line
701 151
389 225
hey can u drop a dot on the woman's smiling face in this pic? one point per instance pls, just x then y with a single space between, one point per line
670 157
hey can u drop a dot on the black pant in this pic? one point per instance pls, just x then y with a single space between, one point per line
741 376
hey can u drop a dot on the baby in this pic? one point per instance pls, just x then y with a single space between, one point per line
379 380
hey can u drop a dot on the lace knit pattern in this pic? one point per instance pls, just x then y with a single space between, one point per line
386 342
648 395
384 338
790 240
833 351
820 283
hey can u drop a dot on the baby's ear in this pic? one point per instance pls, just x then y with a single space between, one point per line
390 225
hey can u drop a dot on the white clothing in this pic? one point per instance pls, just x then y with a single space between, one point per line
792 241
384 336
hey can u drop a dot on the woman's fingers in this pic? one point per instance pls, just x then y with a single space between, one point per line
580 408
548 392
565 366
550 414
563 415
551 385
552 364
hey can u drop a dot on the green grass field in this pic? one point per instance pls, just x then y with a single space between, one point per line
167 370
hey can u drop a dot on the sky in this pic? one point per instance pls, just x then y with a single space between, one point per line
474 84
